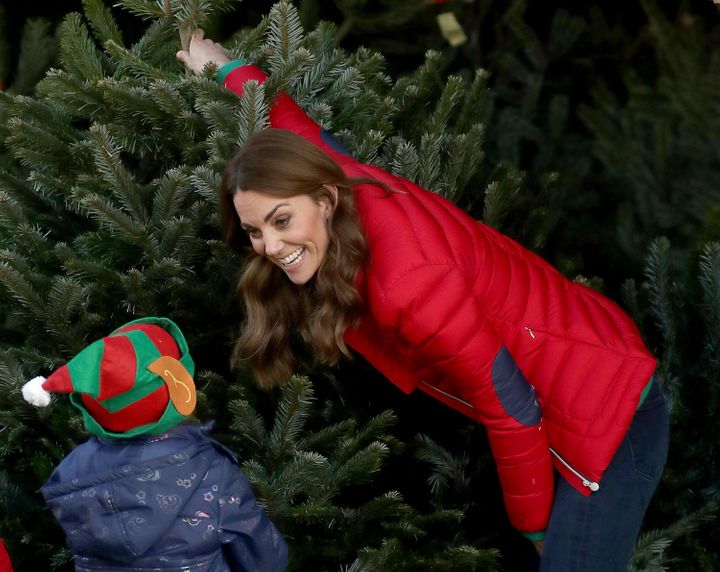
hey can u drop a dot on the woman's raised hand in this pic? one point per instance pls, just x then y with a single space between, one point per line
202 51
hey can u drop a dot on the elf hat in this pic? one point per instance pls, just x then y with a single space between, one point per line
136 381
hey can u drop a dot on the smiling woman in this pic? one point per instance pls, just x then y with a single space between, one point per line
300 219
347 255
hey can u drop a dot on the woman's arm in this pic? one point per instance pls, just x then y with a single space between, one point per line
284 112
435 313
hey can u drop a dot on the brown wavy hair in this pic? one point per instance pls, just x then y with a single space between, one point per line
279 314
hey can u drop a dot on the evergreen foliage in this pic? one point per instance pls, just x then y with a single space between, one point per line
682 299
608 122
107 212
571 142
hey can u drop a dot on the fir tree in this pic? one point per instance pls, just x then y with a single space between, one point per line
682 299
107 211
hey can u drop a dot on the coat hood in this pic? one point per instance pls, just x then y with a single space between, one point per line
118 512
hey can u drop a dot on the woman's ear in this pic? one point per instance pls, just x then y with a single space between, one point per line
330 202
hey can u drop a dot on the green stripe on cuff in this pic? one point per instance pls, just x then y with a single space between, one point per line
225 70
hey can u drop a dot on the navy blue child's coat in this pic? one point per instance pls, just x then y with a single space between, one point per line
176 501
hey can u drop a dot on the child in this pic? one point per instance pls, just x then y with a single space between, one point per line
147 491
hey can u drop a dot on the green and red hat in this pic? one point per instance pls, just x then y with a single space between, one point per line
136 381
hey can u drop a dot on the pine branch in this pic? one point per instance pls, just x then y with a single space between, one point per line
250 425
430 155
205 183
291 415
22 290
71 95
321 113
247 43
465 155
191 14
710 282
139 299
377 426
411 91
650 550
38 50
40 136
405 160
157 47
169 99
125 59
66 300
286 72
254 111
119 179
662 295
82 266
111 218
361 466
146 9
102 22
370 64
446 469
500 195
368 148
78 53
450 98
169 195
11 215
326 437
284 35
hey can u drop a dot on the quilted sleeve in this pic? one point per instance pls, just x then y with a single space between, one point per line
284 112
433 311
250 540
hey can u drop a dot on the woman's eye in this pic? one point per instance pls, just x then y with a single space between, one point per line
253 232
282 221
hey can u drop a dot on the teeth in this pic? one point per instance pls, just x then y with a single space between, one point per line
292 257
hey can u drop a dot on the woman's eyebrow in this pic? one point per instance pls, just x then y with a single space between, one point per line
272 212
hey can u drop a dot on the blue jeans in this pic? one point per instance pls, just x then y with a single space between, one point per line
598 533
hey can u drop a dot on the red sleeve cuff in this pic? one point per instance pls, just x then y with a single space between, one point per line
225 70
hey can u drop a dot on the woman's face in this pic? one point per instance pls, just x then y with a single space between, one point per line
290 232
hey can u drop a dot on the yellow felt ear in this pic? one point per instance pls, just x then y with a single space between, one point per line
179 382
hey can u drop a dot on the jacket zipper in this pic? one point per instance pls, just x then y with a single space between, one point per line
593 486
450 395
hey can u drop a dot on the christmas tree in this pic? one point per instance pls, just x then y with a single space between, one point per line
570 142
107 212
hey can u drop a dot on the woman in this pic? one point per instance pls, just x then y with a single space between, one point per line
346 255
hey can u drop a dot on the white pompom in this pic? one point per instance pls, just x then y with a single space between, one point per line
34 393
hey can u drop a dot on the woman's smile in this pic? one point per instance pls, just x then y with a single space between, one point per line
292 258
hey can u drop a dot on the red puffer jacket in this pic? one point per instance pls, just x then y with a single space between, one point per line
467 315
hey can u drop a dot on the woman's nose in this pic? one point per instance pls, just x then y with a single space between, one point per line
273 245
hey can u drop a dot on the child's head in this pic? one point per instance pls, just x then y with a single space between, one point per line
136 381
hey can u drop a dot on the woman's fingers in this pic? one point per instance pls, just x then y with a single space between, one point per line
201 51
